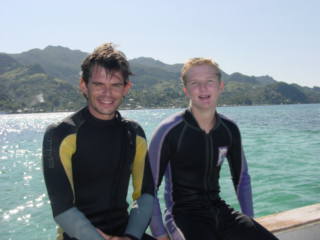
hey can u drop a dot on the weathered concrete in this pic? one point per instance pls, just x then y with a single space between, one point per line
300 223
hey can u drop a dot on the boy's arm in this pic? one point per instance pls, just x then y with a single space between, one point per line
240 175
56 161
143 190
159 153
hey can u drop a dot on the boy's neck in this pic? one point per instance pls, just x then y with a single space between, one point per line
206 119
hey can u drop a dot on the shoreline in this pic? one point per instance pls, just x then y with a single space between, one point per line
155 108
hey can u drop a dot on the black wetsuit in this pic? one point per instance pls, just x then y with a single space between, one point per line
191 160
87 165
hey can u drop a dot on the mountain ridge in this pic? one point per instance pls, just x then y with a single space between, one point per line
155 84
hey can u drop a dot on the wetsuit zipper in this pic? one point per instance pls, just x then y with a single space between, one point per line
122 161
209 157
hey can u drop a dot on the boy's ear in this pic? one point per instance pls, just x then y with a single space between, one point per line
221 87
127 87
185 90
83 87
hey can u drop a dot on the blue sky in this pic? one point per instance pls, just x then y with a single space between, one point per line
279 38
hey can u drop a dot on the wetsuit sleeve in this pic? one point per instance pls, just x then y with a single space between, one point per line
143 190
159 153
58 149
239 172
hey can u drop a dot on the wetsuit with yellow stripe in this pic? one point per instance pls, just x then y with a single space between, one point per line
87 165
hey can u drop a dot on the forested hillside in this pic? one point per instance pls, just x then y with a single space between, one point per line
47 80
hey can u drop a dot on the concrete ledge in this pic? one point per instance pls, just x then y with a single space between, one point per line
296 223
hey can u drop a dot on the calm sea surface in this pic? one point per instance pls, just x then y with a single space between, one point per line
282 146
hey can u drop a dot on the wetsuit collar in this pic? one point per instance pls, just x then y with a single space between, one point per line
192 122
99 122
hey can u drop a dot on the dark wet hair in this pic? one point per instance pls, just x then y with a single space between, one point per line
107 57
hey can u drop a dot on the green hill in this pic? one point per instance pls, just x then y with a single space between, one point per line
47 80
30 89
57 61
7 63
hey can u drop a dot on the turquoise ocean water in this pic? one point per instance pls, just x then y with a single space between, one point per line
282 146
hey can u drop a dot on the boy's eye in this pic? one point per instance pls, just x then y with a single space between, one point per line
117 85
96 84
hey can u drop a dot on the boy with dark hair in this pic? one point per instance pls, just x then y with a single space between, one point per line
89 156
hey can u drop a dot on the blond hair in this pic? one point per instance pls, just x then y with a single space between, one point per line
196 62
